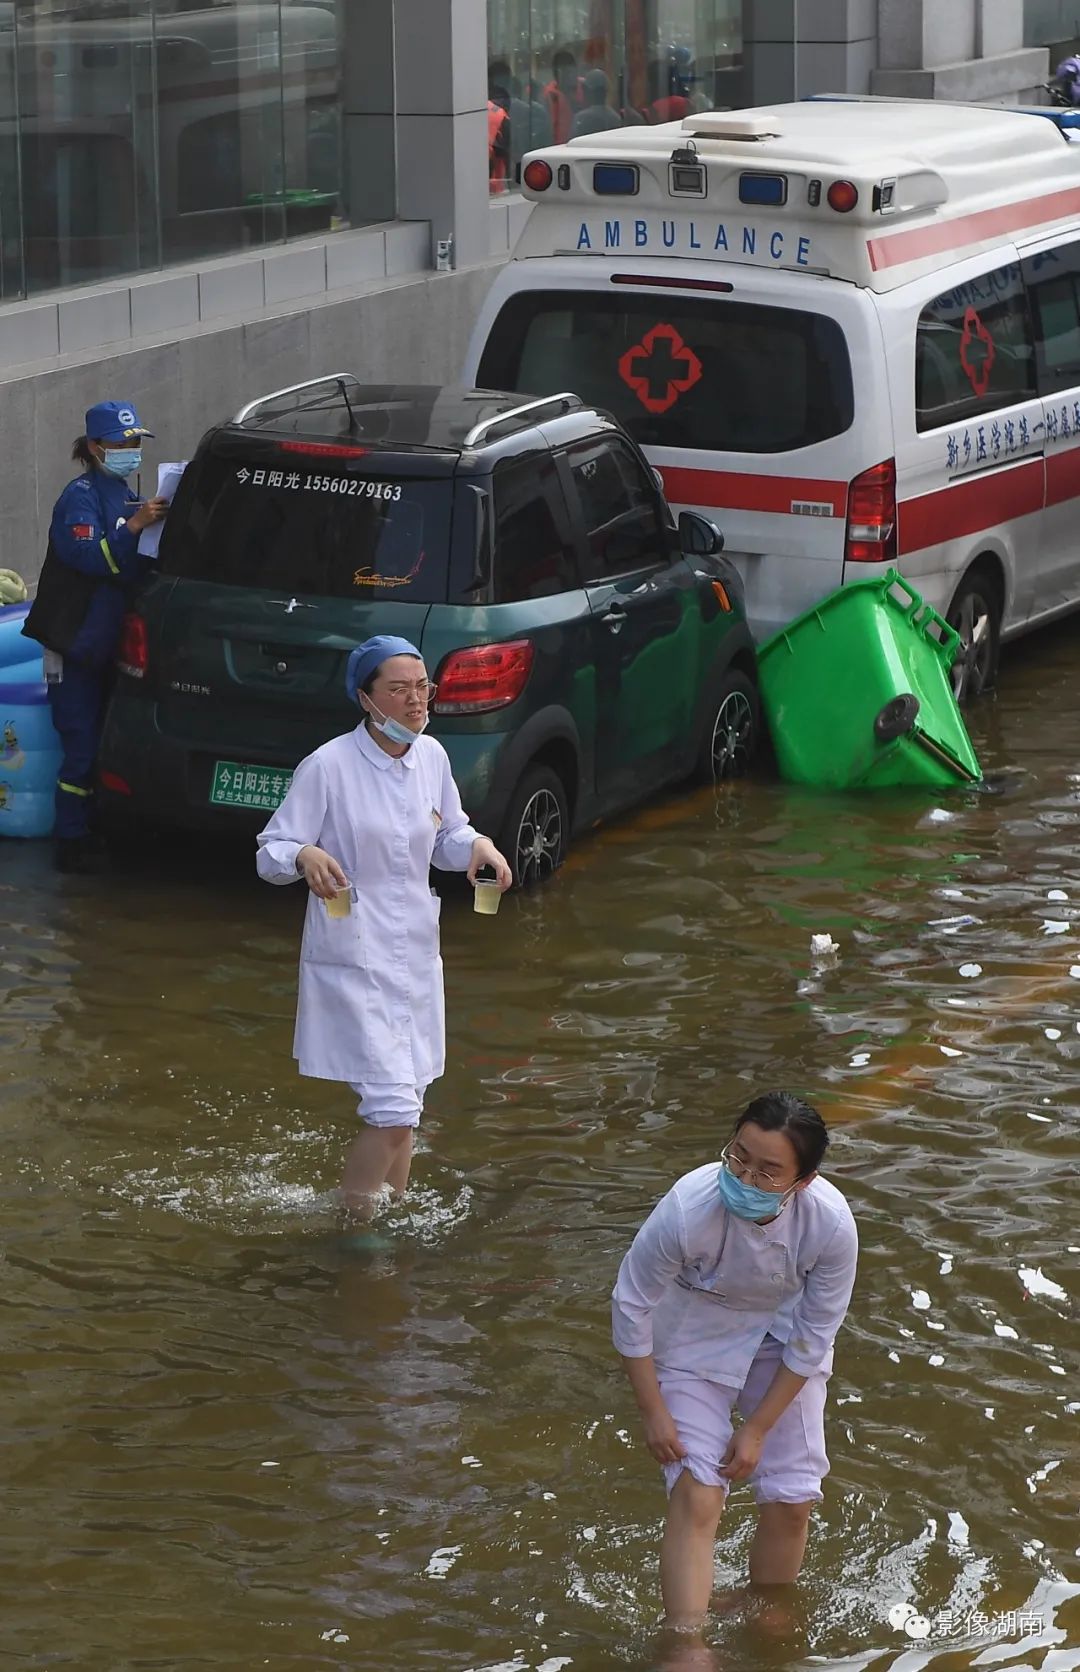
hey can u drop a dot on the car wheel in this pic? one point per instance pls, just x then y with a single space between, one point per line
733 733
537 827
975 612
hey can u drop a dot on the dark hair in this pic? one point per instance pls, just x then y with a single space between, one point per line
781 1111
80 452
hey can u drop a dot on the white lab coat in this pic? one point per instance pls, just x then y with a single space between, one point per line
700 1289
370 1006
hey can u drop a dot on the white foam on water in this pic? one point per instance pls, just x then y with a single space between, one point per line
1006 1331
1036 1283
1054 926
946 1264
1052 1033
860 1059
949 1051
1045 1118
441 1561
969 971
959 1532
936 1359
920 1300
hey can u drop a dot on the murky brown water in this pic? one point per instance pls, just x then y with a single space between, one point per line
229 1446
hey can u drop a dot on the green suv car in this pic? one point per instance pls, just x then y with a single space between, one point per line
586 651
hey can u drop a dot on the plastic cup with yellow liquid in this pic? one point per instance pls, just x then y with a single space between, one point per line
486 896
340 904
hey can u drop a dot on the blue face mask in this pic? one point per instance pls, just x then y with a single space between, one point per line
747 1201
121 461
393 729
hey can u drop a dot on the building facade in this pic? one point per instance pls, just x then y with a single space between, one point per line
201 200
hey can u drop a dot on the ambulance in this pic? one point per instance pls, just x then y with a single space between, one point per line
848 330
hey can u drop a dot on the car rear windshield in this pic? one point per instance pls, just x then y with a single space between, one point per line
311 527
732 377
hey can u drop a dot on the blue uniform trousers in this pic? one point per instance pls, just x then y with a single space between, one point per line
77 704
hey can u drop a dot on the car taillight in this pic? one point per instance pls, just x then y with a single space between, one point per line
113 781
871 518
484 677
133 656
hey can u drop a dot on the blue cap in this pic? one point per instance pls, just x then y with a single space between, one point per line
113 421
370 655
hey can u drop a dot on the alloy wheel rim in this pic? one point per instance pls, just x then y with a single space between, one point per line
539 838
971 670
732 736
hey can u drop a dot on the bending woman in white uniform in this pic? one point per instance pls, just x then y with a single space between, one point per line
370 812
730 1298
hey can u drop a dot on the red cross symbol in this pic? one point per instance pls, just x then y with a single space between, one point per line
660 368
976 352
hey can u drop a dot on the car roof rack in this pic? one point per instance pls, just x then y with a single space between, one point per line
559 405
339 378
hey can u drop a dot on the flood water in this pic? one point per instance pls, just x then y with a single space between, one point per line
229 1444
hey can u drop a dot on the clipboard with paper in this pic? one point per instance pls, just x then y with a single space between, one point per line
168 480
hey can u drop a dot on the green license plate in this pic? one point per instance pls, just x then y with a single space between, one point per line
259 787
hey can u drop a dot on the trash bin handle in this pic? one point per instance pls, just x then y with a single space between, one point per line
923 615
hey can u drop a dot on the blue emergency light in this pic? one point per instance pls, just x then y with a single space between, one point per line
615 180
768 190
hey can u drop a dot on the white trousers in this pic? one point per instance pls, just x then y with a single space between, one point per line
388 1104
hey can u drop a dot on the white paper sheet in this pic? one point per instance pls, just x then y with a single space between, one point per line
168 480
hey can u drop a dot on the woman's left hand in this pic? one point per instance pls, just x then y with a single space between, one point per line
743 1454
484 852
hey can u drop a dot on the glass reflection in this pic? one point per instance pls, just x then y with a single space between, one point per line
139 132
562 68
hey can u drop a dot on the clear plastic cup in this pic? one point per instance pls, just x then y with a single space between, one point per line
340 905
486 897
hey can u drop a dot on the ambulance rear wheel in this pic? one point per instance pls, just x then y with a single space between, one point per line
975 612
537 827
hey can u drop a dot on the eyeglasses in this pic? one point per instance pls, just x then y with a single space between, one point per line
766 1178
423 689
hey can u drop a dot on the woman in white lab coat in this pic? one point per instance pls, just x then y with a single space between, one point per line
730 1298
364 818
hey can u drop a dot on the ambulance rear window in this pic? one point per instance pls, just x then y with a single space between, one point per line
679 371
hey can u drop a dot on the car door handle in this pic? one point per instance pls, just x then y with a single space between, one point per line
614 619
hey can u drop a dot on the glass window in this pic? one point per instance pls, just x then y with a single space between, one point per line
308 529
621 515
973 350
560 68
719 375
140 132
533 554
11 273
1053 281
87 149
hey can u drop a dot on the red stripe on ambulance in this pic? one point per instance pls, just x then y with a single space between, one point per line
978 228
982 502
737 490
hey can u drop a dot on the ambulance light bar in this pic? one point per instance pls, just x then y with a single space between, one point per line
769 190
615 179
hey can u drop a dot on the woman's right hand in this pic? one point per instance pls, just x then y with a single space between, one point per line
322 873
662 1436
150 511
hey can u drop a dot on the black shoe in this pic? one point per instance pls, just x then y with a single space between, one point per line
80 856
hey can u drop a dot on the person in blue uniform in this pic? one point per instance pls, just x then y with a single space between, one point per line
78 612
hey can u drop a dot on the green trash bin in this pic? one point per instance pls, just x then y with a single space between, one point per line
858 692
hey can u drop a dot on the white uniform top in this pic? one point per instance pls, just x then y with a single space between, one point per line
370 1005
700 1288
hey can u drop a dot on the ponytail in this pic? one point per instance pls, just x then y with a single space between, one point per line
80 452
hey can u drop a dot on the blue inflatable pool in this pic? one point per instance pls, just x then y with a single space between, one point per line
29 747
